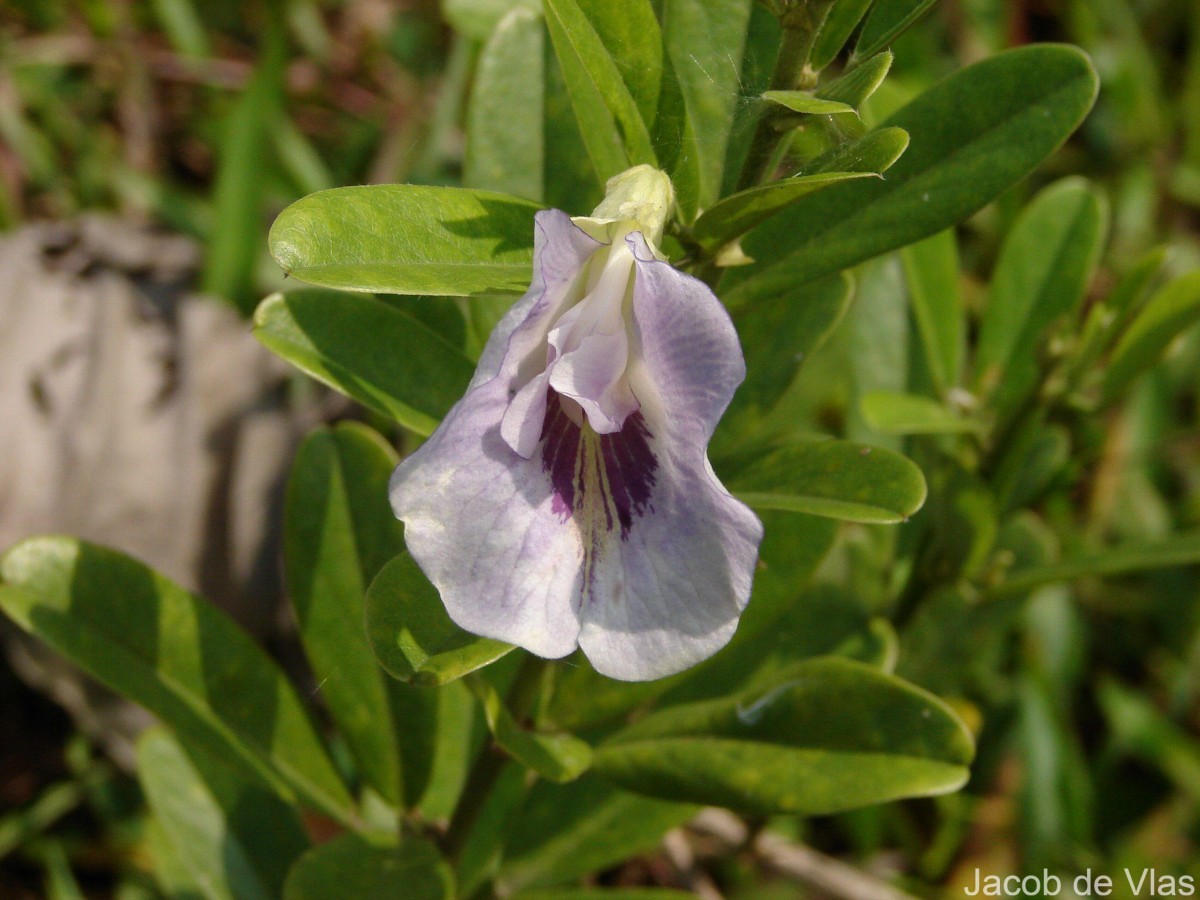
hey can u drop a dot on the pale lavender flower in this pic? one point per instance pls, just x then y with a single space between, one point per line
567 500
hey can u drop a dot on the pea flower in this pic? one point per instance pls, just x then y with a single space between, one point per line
567 500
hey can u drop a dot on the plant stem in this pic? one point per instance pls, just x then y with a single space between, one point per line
491 760
800 26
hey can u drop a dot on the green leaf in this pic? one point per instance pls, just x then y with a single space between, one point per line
835 736
570 178
411 634
239 190
1110 317
963 523
857 85
889 20
234 839
838 479
705 40
1140 728
1056 800
805 102
505 139
738 213
1128 297
609 119
963 153
875 346
843 18
633 38
1042 274
354 867
563 832
370 351
339 531
298 157
931 271
476 862
1170 312
407 239
779 333
60 883
956 645
182 26
1180 549
52 803
175 654
479 18
1048 454
557 757
890 412
170 873
873 152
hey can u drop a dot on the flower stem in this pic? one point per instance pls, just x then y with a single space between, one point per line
491 761
801 22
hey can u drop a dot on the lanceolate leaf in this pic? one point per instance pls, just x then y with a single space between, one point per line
377 354
855 86
338 532
836 479
874 152
505 137
888 20
354 866
737 214
896 413
962 154
411 634
1180 549
843 18
833 736
177 655
407 239
1043 272
557 757
1109 318
613 129
804 102
238 194
931 270
233 837
705 40
778 334
634 39
477 18
565 831
1169 313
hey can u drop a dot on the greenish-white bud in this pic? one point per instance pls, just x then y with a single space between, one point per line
643 195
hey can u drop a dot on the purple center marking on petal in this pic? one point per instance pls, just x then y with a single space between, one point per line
630 465
597 478
560 453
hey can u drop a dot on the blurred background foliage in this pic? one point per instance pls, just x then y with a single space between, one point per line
207 118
